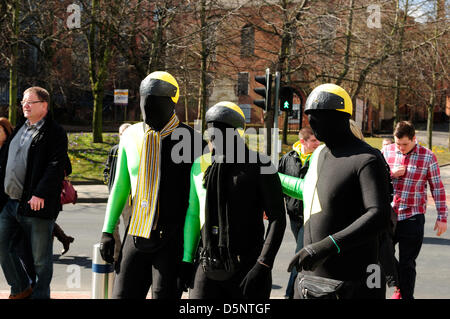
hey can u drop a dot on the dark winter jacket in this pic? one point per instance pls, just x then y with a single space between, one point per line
47 159
290 164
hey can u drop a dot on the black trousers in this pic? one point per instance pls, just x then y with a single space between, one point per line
139 270
205 288
409 236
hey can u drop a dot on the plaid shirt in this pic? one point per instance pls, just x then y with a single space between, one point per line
410 190
29 130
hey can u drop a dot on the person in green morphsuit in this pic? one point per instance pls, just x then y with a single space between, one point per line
158 178
230 190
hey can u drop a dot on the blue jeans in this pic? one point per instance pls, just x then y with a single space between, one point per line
39 233
299 228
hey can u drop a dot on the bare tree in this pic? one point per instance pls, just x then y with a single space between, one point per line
101 29
10 24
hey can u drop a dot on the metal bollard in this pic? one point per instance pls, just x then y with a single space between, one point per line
102 276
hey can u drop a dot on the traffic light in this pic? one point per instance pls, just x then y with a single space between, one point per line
265 91
286 98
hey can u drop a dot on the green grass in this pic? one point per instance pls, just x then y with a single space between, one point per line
442 153
88 159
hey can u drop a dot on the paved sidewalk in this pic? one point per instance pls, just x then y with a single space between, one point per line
91 193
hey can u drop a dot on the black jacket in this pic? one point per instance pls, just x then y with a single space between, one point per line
109 172
290 164
47 159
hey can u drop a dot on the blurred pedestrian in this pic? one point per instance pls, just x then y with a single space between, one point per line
110 167
387 141
5 130
109 174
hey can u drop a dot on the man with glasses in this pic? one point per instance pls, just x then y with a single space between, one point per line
31 174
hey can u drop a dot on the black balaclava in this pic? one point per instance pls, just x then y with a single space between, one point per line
331 127
157 110
226 142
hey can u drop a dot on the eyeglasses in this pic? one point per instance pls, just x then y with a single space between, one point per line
29 102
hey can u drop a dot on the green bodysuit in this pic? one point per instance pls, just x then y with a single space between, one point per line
195 215
127 169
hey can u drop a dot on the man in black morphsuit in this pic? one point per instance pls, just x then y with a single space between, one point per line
237 188
346 197
149 167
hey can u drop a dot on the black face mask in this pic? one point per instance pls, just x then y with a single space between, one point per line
329 126
157 110
224 139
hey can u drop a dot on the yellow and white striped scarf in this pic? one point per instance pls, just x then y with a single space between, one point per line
147 191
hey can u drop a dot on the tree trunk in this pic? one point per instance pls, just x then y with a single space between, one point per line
401 32
396 100
13 69
13 88
97 115
98 70
285 128
283 64
430 120
186 104
449 135
348 36
203 65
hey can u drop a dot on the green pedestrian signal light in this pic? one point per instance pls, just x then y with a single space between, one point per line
286 98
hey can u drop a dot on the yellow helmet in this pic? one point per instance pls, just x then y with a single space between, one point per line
329 96
160 83
227 113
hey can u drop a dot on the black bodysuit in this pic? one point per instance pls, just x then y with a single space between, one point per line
346 196
352 188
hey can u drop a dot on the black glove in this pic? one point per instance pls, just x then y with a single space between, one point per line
185 276
107 247
257 283
313 255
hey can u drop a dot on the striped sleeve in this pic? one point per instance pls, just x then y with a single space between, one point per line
437 189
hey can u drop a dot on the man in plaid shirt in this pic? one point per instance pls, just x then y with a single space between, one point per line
412 167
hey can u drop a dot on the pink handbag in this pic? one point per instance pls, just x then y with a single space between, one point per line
68 193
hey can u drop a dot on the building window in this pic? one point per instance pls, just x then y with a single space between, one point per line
327 33
247 110
247 41
242 87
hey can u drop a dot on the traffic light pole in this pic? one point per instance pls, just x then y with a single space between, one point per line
275 133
